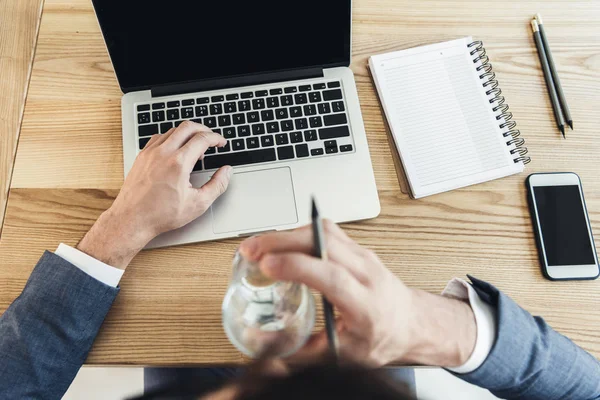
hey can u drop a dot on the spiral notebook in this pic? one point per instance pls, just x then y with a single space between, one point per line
447 116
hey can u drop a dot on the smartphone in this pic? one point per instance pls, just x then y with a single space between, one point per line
562 226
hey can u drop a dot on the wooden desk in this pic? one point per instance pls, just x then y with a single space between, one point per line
69 168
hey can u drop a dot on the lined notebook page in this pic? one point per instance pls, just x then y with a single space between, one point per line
443 125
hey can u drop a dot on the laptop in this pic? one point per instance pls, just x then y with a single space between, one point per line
273 78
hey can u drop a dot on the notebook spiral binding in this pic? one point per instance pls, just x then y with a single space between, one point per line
500 108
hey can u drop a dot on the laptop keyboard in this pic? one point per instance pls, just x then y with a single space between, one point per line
281 124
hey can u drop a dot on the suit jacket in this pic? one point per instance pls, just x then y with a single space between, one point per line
47 332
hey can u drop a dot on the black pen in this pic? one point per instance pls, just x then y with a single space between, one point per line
560 121
555 78
320 251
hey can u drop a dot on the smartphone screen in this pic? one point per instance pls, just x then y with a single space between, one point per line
564 226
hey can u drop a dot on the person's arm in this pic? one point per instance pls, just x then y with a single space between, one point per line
47 332
529 360
485 336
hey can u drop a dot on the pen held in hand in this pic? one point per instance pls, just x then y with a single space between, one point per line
548 76
320 251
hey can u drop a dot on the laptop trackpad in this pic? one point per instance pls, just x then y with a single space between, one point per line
256 200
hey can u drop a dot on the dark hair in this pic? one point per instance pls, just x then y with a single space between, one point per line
315 382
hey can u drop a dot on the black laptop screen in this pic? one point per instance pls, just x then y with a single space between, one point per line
154 43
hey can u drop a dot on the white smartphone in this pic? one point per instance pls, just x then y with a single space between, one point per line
562 226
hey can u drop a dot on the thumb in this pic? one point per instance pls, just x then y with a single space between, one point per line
215 187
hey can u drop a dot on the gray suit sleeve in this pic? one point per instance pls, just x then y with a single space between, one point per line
529 360
47 332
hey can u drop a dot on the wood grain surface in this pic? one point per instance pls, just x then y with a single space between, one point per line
69 167
19 23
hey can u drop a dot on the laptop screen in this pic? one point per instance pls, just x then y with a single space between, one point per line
155 43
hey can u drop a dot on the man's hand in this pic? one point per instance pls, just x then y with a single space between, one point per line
381 320
157 195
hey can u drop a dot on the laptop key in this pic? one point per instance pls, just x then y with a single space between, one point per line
281 113
287 125
273 92
244 105
258 104
216 109
304 88
217 98
301 150
301 98
338 106
247 95
143 142
296 137
158 116
202 100
335 119
143 107
310 135
287 100
252 143
329 95
243 130
285 152
172 104
314 97
148 130
346 148
331 150
318 86
258 129
211 122
301 123
198 166
324 108
253 116
266 141
240 158
238 145
261 93
310 109
230 107
229 132
211 150
201 111
158 106
292 89
233 96
281 138
144 118
273 127
224 120
225 148
330 143
165 126
267 115
188 102
316 152
334 132
333 84
187 112
173 114
239 119
273 102
295 112
177 123
315 122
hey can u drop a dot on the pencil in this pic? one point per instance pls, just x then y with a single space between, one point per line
555 78
548 75
320 251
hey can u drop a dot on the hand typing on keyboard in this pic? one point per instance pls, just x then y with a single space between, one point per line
157 195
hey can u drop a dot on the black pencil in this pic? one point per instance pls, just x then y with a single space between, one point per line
320 251
548 75
555 78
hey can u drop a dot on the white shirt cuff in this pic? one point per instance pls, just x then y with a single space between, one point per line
485 318
96 269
